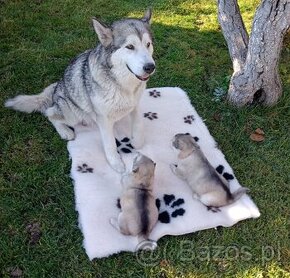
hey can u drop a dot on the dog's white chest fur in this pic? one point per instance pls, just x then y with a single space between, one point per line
116 103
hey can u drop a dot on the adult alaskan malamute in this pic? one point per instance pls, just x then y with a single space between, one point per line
101 85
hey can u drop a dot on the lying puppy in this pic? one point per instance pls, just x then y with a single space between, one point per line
193 167
139 213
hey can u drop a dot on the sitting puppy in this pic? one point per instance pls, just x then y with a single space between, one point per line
139 213
193 167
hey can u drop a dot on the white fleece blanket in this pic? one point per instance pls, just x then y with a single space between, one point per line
166 111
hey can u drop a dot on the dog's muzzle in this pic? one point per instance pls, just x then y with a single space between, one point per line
149 68
142 78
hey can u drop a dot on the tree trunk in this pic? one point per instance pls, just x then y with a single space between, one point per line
255 78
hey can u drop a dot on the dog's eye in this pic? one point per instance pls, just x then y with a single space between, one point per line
148 44
130 46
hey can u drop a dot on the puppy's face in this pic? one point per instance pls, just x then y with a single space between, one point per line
185 143
143 167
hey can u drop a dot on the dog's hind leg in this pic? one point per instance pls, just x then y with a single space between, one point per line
109 143
212 199
58 122
120 224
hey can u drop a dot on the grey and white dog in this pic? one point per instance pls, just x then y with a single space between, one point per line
194 168
101 85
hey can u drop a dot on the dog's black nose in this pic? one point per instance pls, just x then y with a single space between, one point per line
149 68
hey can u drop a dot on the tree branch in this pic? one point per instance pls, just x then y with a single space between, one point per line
259 79
234 31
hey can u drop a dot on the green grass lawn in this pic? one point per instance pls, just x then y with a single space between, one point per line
38 39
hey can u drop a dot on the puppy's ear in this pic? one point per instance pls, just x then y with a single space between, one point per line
147 16
104 33
196 146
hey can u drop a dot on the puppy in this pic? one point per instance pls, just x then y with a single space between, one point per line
139 213
193 167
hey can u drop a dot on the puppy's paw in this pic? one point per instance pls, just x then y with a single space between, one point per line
114 223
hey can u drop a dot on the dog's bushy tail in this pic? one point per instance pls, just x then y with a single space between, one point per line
28 104
239 193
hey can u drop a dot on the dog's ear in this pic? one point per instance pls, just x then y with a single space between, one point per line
147 16
104 33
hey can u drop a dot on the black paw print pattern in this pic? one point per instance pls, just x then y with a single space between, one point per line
151 115
171 208
220 169
188 119
154 93
84 168
124 145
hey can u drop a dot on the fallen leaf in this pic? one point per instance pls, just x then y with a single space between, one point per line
217 116
259 131
164 263
258 135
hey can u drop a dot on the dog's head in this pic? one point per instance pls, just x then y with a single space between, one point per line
143 168
185 143
130 42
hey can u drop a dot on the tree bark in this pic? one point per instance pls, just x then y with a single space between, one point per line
256 77
234 31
